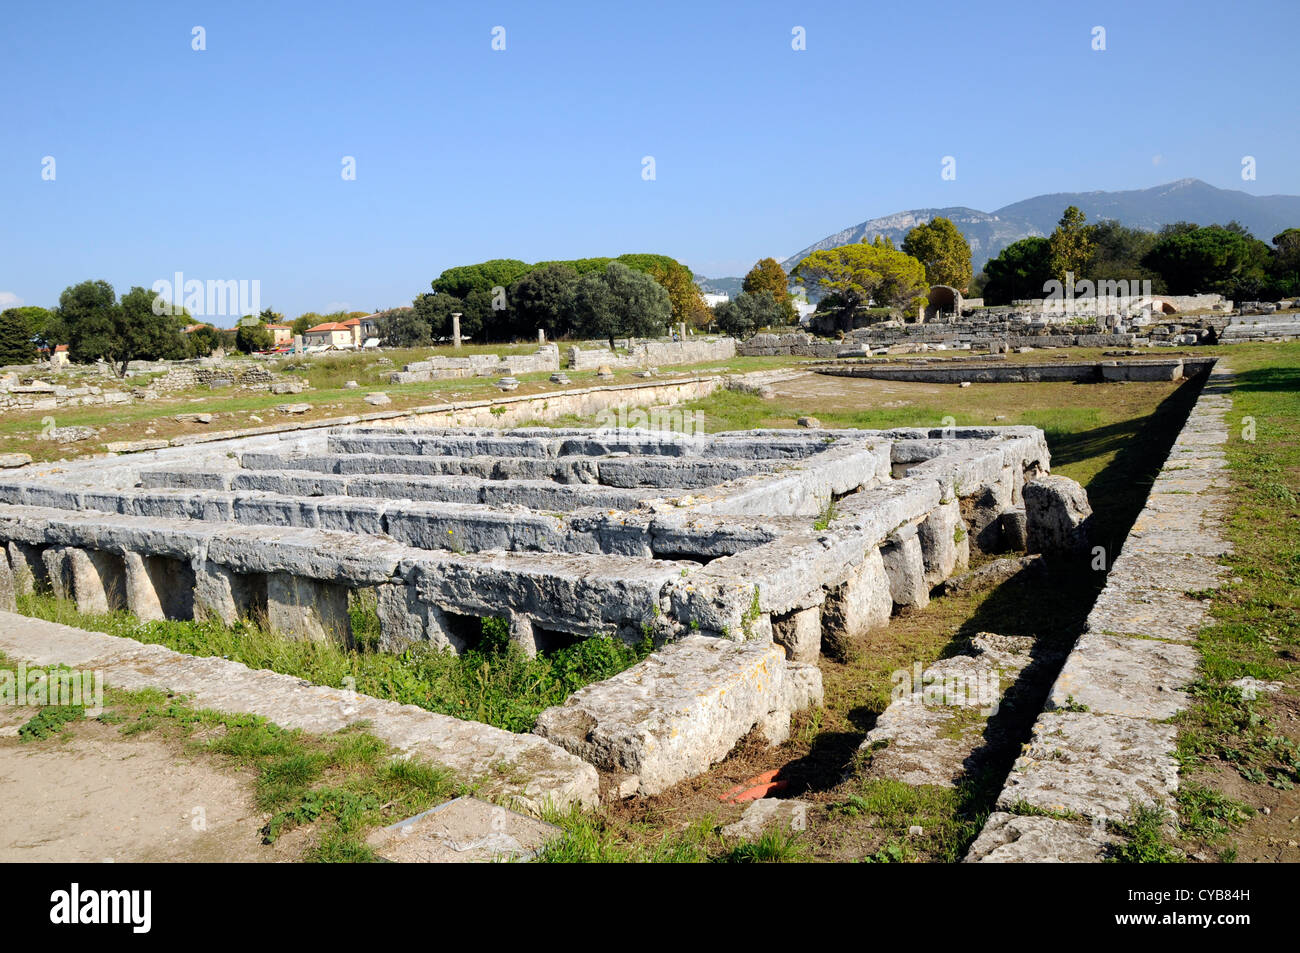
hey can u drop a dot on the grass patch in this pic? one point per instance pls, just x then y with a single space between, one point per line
494 682
1254 630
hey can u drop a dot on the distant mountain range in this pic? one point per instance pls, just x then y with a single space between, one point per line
1187 200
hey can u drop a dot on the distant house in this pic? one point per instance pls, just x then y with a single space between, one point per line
332 334
280 334
60 356
370 326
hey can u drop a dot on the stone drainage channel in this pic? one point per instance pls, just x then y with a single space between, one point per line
1104 742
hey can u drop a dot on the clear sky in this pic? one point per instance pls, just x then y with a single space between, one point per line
227 163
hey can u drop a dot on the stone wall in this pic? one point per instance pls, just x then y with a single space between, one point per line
953 371
191 376
440 367
795 343
653 354
1106 740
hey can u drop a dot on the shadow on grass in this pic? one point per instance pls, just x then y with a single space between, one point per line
1050 608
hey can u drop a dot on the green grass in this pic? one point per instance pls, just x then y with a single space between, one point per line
1145 840
50 721
591 837
494 682
1255 627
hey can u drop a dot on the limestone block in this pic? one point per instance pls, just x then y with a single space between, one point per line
862 603
58 571
225 595
905 568
1057 517
305 608
404 620
1015 529
945 542
800 634
675 714
1011 838
8 588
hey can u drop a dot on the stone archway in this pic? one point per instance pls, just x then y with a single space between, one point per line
944 303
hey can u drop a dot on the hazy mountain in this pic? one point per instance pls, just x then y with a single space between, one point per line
720 286
1187 200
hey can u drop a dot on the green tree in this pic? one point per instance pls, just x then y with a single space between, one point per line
620 301
435 310
98 327
1285 270
43 324
543 298
1021 271
203 340
304 322
252 335
944 252
1071 244
855 275
747 312
484 276
16 338
1210 260
768 275
1117 255
405 327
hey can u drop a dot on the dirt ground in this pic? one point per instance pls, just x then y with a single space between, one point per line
92 794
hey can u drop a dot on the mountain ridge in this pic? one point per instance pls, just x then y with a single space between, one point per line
1183 200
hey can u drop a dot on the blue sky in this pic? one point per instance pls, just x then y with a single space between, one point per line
226 163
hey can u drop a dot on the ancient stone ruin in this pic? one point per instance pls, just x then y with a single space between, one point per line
737 552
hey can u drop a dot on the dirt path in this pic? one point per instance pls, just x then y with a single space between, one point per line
92 794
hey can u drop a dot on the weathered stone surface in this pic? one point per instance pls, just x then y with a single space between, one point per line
1122 675
983 510
673 715
1094 765
862 603
945 542
307 609
463 830
1157 613
1057 513
1015 530
134 446
992 574
935 732
8 587
769 813
905 568
566 532
10 460
1014 839
800 634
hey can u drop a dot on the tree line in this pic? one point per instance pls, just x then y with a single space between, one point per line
1180 259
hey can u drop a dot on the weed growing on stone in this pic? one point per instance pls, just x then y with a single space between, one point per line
493 682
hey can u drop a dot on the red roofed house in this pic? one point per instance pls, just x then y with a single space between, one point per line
60 356
331 334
